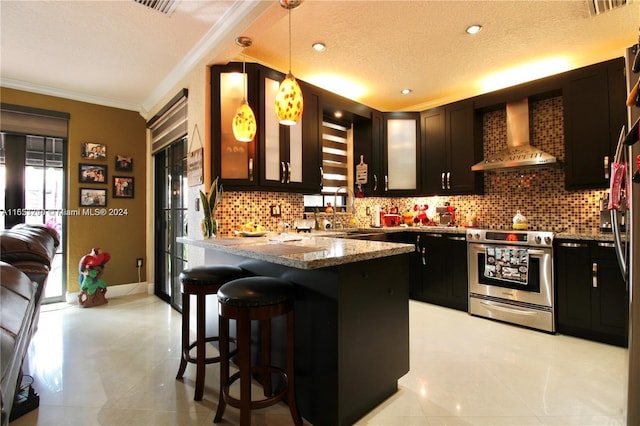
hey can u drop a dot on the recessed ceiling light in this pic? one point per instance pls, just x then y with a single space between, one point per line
319 46
473 29
405 91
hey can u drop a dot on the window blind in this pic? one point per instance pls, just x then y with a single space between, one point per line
334 156
33 121
170 124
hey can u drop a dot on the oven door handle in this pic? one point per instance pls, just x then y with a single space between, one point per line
508 310
480 248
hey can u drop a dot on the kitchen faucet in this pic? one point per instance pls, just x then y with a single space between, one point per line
349 191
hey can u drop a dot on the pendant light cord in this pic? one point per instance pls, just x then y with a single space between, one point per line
289 40
244 75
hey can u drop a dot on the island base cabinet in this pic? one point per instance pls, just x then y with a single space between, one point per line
352 334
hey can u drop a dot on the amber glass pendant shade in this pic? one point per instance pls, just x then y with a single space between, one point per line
244 123
289 102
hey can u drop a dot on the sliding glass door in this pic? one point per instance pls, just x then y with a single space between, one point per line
170 220
32 179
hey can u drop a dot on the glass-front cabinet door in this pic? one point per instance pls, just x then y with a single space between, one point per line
280 157
234 161
402 153
281 146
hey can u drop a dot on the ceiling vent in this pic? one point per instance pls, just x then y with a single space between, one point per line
596 7
164 6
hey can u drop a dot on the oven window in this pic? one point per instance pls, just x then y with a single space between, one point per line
533 284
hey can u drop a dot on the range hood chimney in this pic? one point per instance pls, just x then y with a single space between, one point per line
519 153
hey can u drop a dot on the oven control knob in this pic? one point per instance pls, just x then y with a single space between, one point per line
476 235
547 240
538 239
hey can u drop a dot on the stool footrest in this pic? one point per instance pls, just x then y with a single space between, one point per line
260 403
211 360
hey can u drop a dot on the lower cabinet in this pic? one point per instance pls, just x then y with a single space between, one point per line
592 296
439 268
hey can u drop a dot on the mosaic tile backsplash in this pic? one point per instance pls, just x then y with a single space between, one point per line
538 192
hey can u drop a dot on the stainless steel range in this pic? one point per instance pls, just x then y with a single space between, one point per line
511 277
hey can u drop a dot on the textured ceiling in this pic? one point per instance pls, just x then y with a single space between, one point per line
121 54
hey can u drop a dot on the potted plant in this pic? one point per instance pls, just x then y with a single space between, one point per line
210 203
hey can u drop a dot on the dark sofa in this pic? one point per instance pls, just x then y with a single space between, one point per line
26 253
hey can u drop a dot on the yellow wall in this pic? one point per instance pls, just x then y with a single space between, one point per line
124 133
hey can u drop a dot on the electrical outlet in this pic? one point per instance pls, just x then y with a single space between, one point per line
139 262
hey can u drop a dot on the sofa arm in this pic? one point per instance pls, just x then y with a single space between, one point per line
29 242
18 304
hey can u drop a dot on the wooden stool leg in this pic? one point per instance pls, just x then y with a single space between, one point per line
200 347
291 389
223 332
244 364
185 336
266 357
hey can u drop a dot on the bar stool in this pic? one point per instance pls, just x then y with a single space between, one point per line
201 281
244 300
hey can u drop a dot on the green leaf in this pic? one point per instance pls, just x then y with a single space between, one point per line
205 204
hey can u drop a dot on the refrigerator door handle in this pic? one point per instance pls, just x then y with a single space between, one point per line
622 248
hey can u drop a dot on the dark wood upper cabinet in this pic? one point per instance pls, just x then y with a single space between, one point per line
235 162
594 113
452 143
280 158
401 153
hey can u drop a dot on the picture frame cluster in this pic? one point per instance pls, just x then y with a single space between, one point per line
97 173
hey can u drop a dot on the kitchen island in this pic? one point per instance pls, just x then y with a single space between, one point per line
351 313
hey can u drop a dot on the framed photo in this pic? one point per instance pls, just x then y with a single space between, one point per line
92 173
94 197
124 164
123 187
94 151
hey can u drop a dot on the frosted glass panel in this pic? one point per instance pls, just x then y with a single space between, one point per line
295 152
401 154
271 132
234 155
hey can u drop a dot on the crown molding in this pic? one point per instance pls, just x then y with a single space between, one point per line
213 42
66 94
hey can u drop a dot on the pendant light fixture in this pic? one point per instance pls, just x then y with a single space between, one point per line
244 122
289 102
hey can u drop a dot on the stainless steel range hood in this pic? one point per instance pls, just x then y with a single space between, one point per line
518 153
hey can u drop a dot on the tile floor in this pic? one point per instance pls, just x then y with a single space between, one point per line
116 365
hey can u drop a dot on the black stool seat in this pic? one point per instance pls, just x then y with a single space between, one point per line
210 274
255 292
244 300
201 281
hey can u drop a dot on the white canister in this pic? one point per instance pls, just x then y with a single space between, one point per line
376 216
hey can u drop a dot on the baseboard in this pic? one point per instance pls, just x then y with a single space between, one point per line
117 291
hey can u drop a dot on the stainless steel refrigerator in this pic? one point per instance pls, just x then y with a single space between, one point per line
628 243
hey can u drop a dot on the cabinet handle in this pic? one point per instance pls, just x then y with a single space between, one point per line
606 167
375 182
386 183
607 245
424 258
594 269
448 180
283 172
573 245
418 243
288 172
458 238
321 178
250 169
442 180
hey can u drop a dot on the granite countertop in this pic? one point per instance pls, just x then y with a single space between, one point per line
302 251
